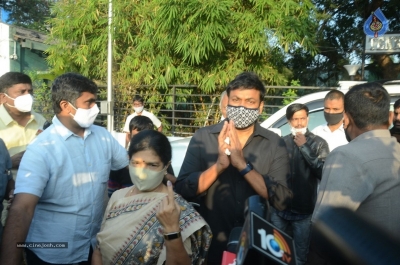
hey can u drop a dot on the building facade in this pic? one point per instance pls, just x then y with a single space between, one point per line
22 50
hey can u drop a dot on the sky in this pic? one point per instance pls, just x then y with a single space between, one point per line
4 16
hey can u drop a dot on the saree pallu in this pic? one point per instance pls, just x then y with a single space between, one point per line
131 234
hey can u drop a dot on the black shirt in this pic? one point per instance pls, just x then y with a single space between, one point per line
222 205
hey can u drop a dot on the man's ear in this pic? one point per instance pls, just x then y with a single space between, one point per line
391 115
2 98
346 120
261 108
65 106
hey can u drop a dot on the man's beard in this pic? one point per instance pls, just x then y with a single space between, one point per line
396 125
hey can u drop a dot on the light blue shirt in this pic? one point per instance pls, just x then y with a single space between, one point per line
5 173
69 174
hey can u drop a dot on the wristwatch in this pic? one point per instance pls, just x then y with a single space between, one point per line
247 169
171 236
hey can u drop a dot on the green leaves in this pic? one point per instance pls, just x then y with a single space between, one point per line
163 42
28 13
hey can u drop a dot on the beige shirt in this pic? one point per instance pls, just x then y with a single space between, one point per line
15 136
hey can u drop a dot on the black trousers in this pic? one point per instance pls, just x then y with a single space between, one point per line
32 259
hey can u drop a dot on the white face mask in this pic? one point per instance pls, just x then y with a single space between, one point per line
22 103
85 117
296 130
145 179
138 109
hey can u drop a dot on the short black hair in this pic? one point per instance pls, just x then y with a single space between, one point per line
138 98
247 80
12 78
69 87
396 104
151 140
293 108
368 104
334 94
140 123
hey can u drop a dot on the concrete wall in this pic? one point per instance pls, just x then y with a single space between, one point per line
4 48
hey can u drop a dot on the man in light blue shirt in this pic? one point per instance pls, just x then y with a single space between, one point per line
61 186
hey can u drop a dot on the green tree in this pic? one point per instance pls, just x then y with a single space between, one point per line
188 42
290 94
161 42
30 14
42 94
340 40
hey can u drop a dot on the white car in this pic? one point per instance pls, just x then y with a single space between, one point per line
278 122
179 148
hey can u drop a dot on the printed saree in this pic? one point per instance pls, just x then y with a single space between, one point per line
131 234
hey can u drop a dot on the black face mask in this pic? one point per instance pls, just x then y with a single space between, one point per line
333 118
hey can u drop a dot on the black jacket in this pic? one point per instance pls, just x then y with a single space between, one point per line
306 163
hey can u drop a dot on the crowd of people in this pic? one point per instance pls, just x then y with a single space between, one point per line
73 195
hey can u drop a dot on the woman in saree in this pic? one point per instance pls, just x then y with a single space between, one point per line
148 223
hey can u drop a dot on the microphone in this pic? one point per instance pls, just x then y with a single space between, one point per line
259 241
229 256
252 204
255 204
234 239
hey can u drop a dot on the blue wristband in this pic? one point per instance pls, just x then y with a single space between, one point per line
247 169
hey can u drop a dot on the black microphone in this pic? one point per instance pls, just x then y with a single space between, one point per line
234 239
255 204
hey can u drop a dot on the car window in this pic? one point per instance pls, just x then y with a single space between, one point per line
392 100
285 129
316 119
